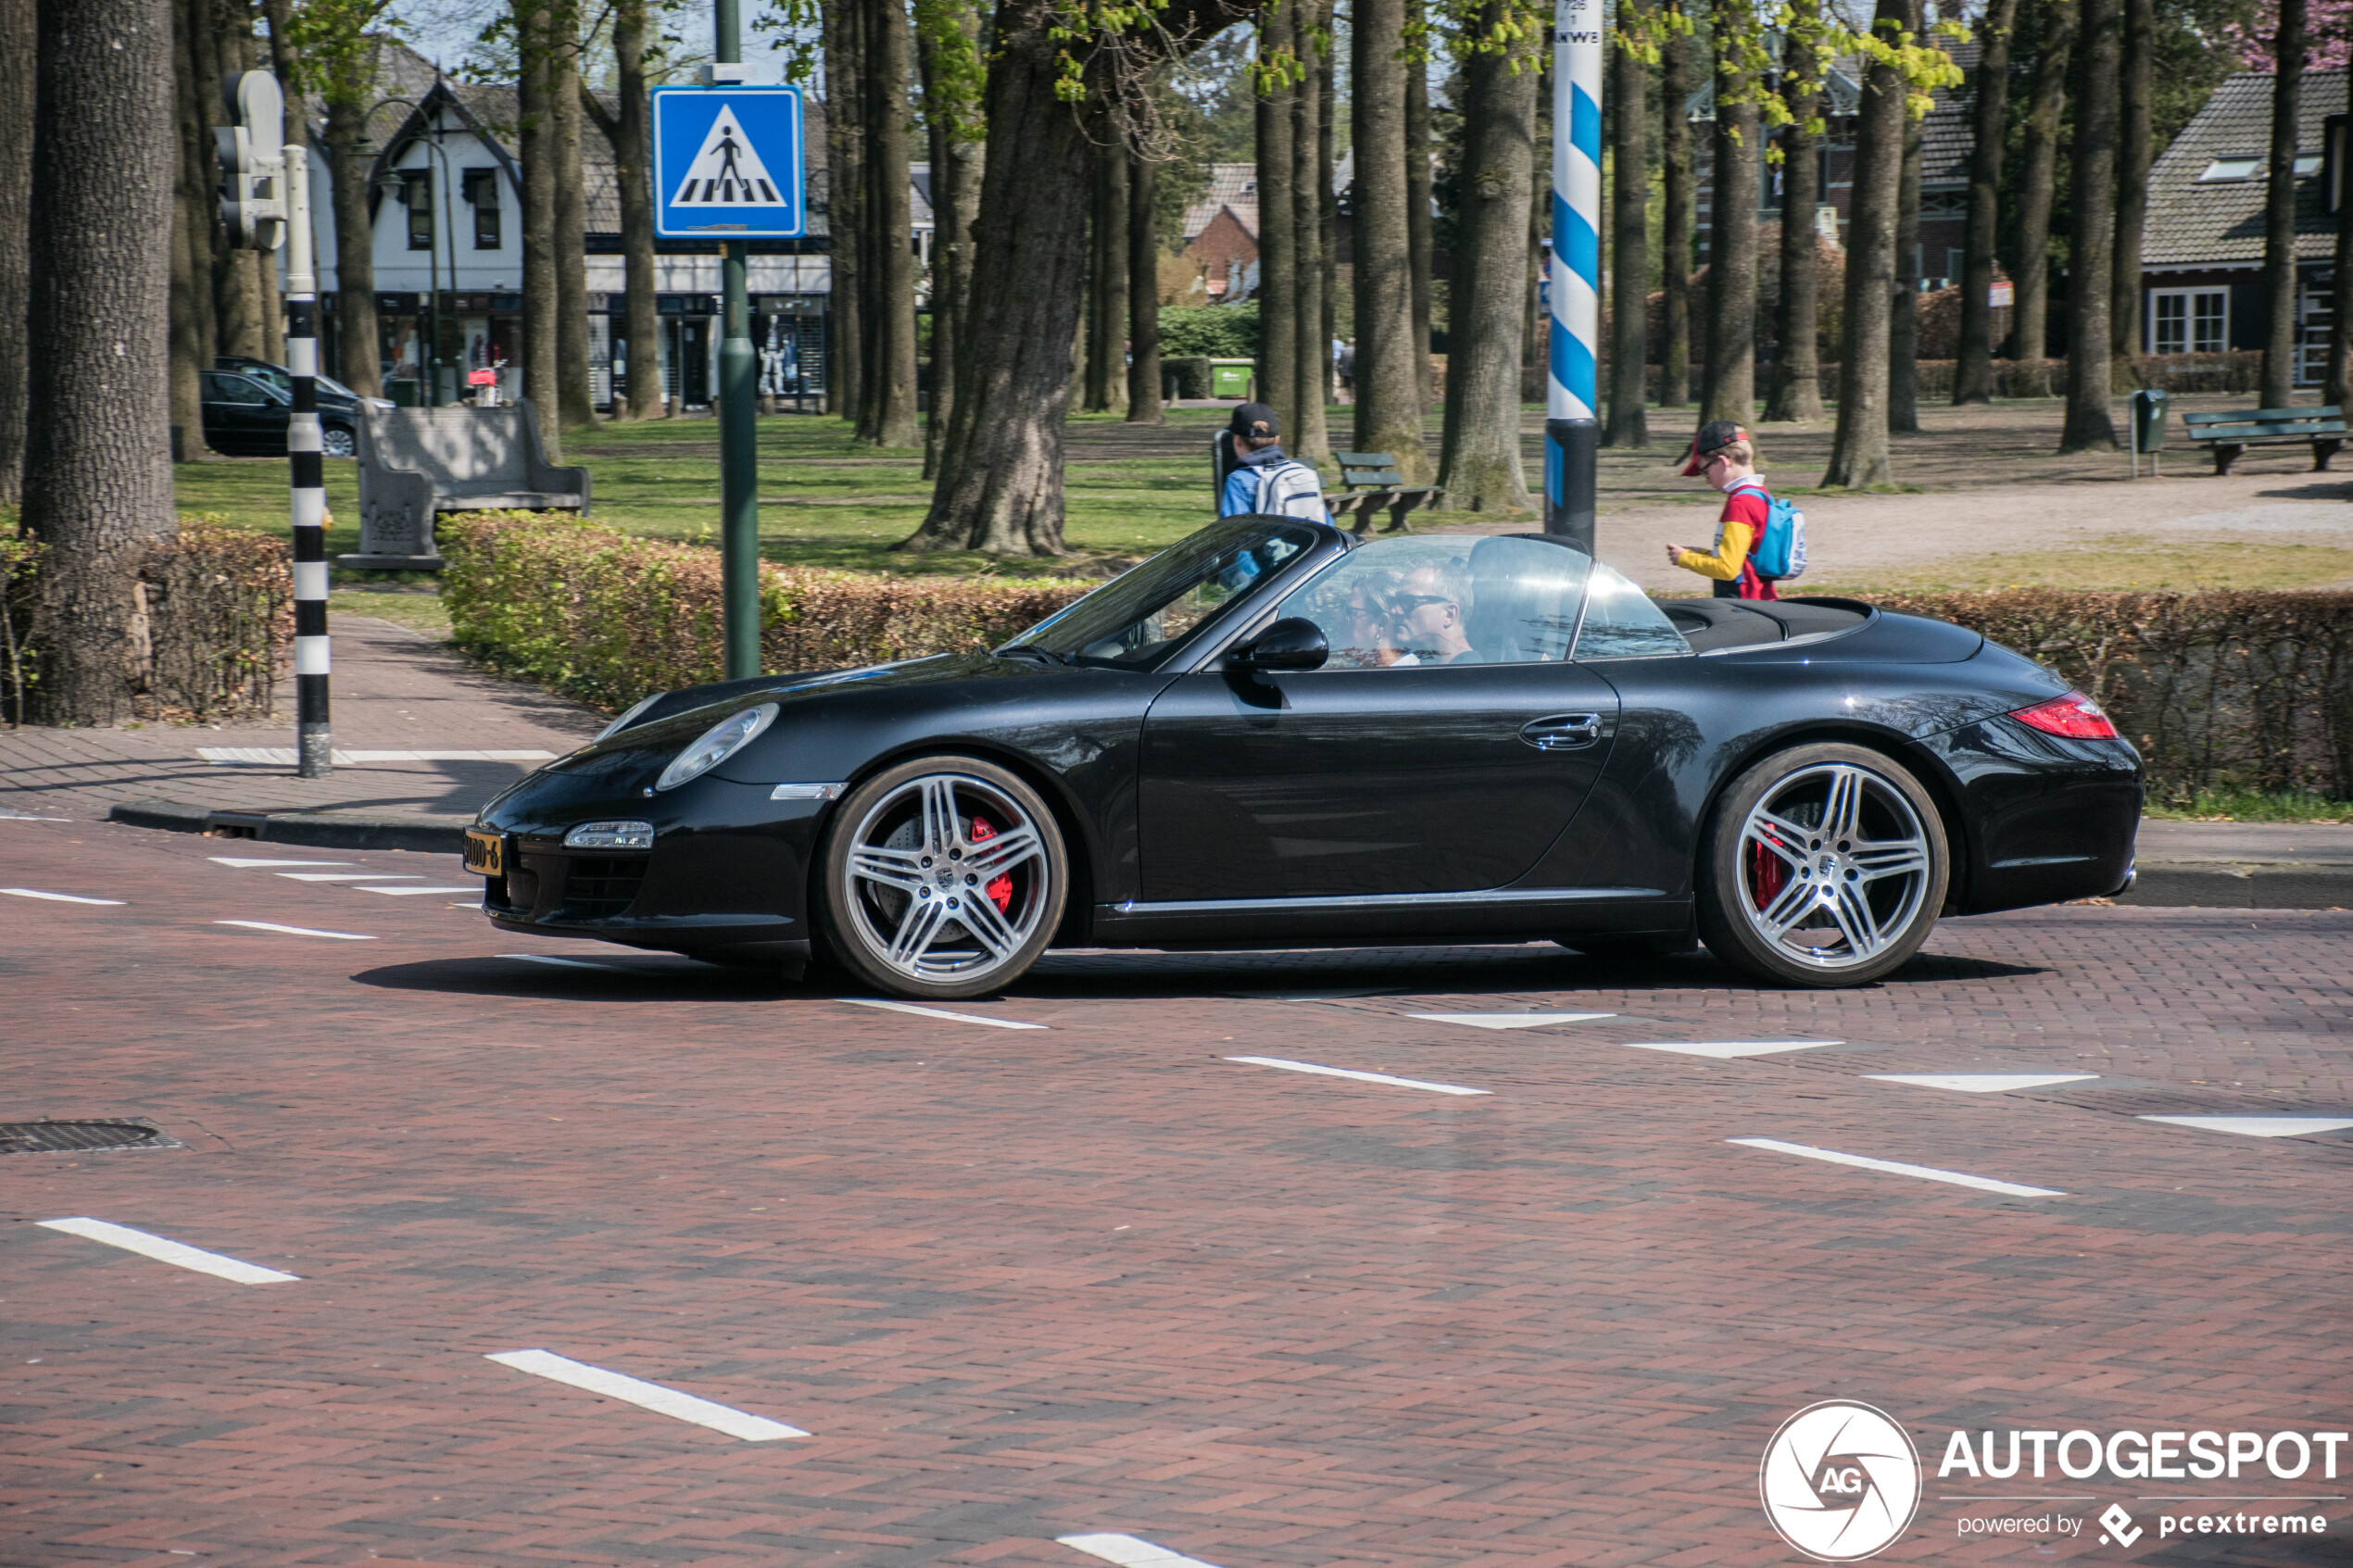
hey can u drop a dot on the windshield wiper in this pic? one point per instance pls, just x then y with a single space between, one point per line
1046 655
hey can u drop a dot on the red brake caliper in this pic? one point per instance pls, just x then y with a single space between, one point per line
1001 892
1768 874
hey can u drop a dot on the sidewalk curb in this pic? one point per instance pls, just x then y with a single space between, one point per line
317 830
2226 884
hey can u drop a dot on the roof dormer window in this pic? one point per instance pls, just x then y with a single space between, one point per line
2225 169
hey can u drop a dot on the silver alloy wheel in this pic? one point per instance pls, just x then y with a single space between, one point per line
1834 864
921 864
337 443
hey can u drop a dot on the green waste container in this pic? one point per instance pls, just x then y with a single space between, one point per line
1230 378
2148 427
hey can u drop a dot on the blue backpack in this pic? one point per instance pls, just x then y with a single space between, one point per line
1780 555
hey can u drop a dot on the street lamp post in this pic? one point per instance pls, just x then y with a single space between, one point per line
738 426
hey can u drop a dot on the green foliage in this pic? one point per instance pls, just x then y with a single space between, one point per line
1215 332
2256 806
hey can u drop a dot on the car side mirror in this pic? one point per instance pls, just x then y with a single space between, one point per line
1294 642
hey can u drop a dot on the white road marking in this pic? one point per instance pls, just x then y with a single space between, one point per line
243 864
407 892
26 817
54 898
568 964
939 1013
294 930
1510 1020
1896 1166
1130 1552
349 876
1725 1051
1983 1082
651 1396
283 755
166 1251
1352 1073
2258 1126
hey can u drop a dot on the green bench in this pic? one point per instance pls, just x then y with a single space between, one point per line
2228 434
1370 482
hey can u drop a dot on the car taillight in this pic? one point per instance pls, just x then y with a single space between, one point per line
2075 716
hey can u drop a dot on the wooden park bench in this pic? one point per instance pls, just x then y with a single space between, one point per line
2228 434
1371 482
417 463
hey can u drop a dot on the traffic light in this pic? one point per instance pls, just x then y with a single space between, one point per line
253 162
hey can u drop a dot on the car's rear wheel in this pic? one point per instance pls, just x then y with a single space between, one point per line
943 877
1823 865
337 441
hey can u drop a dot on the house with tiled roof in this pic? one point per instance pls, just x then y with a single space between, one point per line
2202 288
1221 232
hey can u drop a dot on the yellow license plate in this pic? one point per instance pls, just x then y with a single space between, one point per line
486 853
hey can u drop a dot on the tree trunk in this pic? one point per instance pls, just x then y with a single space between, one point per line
97 484
536 139
1143 293
946 44
2092 232
1488 316
1309 436
1859 455
1678 219
2339 389
18 35
2031 270
1420 242
576 401
1328 205
893 369
1973 375
1629 244
1278 221
359 364
637 395
1730 393
1797 372
1106 359
2135 155
1389 402
192 234
1904 325
846 207
2278 206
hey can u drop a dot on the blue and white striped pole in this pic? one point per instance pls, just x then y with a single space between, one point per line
314 748
1572 430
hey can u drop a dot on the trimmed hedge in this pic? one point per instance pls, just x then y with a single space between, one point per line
608 617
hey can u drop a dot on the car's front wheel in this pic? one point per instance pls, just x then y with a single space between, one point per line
943 877
1823 865
337 441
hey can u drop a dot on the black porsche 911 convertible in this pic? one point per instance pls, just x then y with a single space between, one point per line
1270 734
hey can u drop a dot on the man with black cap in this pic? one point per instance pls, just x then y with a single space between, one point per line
1722 454
1263 480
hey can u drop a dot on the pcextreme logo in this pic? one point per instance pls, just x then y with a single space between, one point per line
1840 1481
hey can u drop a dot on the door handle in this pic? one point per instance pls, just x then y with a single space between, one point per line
1561 732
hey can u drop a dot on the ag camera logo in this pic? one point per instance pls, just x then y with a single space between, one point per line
1840 1481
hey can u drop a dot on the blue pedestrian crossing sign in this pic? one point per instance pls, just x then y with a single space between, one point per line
727 163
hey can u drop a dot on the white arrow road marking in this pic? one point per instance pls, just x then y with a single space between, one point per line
1897 1168
939 1013
54 898
1983 1082
650 1395
1360 1077
2258 1126
1725 1051
1510 1020
166 1251
294 930
1130 1552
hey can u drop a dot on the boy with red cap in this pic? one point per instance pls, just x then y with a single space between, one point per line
1722 455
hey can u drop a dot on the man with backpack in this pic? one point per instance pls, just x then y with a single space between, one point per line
1759 539
1264 481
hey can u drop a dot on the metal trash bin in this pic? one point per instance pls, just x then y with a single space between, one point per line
1230 378
2148 427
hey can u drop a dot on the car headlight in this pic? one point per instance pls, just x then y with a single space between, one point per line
717 744
629 715
611 835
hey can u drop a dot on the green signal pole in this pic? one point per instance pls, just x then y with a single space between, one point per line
738 428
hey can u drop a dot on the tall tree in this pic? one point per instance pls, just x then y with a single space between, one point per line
1903 323
2278 206
576 399
843 38
2092 232
340 46
1679 217
2031 267
1143 292
1000 479
1859 454
97 482
892 369
1106 359
195 228
1630 272
1989 121
17 36
947 35
1420 242
2135 153
536 140
1309 437
1278 215
1487 318
1327 202
2339 389
1730 392
627 128
1798 373
1389 400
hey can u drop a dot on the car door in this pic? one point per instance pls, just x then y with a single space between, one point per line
242 416
1443 748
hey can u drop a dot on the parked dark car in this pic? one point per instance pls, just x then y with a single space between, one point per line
1269 735
248 403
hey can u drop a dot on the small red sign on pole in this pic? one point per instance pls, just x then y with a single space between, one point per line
481 378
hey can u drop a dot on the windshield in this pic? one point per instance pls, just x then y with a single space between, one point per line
1137 617
279 376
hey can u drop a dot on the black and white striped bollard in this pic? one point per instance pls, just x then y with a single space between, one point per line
314 746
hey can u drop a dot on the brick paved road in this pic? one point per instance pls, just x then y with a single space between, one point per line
1095 1278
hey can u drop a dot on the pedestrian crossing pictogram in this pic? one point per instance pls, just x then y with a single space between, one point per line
727 171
